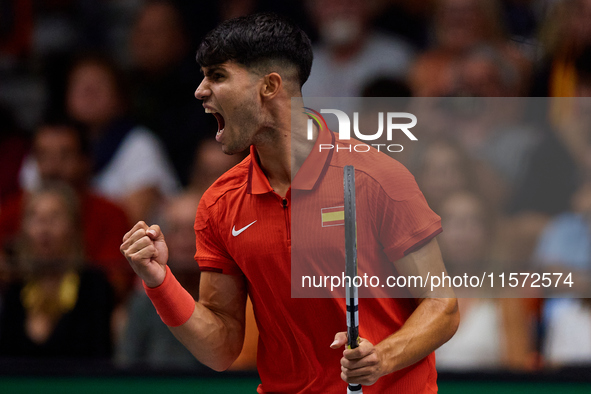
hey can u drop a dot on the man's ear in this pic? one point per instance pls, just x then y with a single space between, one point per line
271 86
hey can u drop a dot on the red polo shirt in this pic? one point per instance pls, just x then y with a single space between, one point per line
244 228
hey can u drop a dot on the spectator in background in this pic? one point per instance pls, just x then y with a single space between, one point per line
444 168
565 33
547 183
61 30
551 175
158 40
494 130
484 71
61 153
130 164
164 77
60 308
459 26
493 333
350 52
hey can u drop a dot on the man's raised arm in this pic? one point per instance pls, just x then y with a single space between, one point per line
212 328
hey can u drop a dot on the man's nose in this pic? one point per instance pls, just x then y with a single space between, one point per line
202 90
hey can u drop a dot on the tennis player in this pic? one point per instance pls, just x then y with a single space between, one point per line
252 68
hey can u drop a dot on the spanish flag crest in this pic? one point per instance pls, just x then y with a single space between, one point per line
333 216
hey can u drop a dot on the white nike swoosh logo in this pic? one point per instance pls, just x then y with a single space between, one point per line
237 233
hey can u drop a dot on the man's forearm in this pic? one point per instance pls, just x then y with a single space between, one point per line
213 338
214 332
433 323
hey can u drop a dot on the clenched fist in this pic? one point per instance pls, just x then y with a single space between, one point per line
145 249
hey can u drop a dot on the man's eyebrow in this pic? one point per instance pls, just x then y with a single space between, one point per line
207 71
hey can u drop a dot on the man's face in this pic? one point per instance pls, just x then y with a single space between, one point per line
157 39
58 155
48 227
92 97
340 22
231 93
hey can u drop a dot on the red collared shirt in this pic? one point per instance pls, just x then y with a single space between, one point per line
244 228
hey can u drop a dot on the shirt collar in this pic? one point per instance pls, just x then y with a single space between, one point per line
257 180
316 164
309 173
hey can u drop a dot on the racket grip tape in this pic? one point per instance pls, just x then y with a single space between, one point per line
354 388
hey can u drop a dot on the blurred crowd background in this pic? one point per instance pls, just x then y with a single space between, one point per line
99 128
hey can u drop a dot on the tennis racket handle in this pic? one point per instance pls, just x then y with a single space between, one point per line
354 389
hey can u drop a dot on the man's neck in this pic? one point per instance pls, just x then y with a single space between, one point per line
274 159
283 155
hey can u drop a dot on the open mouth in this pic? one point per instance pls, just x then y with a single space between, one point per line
220 119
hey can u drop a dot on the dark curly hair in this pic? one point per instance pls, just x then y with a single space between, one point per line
258 41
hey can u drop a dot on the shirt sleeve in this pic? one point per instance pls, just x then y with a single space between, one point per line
211 252
404 220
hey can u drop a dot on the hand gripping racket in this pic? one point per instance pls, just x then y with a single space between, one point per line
351 267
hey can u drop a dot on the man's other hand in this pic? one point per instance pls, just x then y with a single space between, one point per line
361 365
